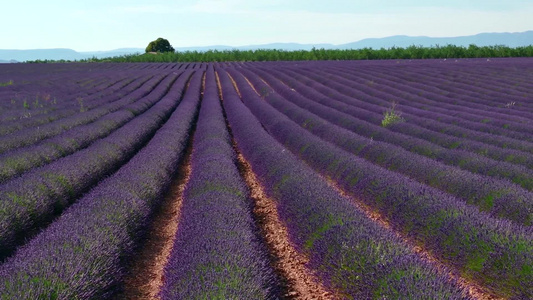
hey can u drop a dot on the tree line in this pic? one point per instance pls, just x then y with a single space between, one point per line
411 52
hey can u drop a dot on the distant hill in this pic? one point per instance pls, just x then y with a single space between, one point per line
116 52
60 53
516 39
24 55
482 39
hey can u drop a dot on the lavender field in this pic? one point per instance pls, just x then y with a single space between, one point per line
397 179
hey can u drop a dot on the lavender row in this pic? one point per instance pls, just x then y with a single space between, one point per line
499 71
26 97
33 199
513 156
80 105
448 82
72 104
32 104
350 253
427 121
21 160
83 254
425 127
450 87
418 125
366 111
472 241
472 122
492 88
30 136
437 121
217 253
453 101
439 132
498 197
509 123
354 120
24 83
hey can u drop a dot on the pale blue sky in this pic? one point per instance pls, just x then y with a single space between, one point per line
110 24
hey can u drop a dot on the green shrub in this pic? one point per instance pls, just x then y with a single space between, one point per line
392 116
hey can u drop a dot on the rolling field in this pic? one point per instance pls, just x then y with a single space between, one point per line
397 179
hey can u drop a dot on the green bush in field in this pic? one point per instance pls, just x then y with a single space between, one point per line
392 116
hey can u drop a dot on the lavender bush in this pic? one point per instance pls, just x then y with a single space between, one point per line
217 253
82 255
350 252
33 199
474 242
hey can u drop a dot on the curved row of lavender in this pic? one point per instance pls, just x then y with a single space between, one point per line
65 89
17 161
111 103
509 126
82 255
218 252
354 99
355 118
499 197
57 105
409 94
33 95
492 84
504 77
44 107
21 100
30 83
61 105
39 195
468 100
349 96
350 252
477 244
370 85
426 126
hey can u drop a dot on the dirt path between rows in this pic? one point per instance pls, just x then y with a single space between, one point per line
289 263
145 276
299 281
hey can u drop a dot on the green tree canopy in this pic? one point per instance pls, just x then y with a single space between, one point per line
159 45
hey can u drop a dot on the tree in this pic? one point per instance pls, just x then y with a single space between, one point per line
159 45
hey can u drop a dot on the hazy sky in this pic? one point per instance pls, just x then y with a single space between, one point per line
110 24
